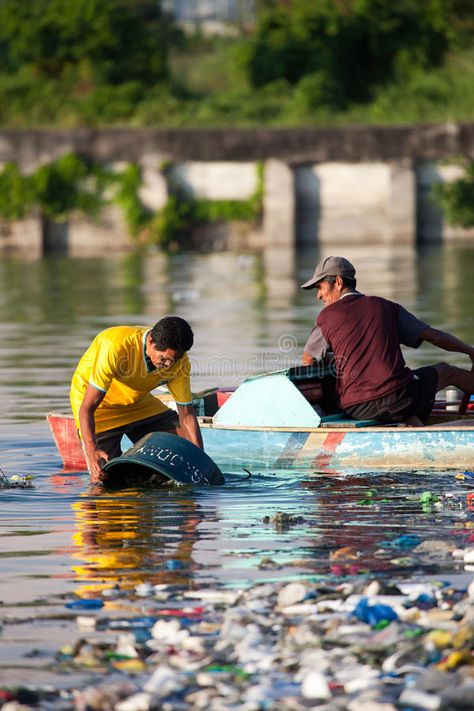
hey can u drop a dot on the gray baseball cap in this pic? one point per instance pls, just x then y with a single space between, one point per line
331 266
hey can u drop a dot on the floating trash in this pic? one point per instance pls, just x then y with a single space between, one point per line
16 481
407 540
86 604
382 644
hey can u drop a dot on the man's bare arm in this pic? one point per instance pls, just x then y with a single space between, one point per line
92 399
188 425
447 342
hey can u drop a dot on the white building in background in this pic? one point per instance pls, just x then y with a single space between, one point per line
211 11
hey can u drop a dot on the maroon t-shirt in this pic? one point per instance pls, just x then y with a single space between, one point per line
364 333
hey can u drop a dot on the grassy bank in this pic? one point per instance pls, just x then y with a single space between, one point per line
208 87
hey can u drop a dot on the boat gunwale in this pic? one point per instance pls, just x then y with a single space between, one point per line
327 430
206 422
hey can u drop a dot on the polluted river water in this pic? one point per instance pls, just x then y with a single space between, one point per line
249 595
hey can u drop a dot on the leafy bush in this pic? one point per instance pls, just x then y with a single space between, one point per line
69 184
180 213
442 94
457 198
123 40
111 62
16 193
169 223
57 189
126 196
72 184
351 46
109 104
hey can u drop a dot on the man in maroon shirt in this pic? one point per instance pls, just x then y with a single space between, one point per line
364 334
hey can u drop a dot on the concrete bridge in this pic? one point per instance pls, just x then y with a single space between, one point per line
322 185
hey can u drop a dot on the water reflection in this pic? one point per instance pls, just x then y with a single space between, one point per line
61 290
445 278
130 538
340 526
281 282
249 315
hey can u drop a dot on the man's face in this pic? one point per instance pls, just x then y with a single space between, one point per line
162 359
328 292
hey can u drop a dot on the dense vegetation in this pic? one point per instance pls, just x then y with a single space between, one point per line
71 185
112 62
457 197
103 62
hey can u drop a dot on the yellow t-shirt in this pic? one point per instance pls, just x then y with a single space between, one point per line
116 363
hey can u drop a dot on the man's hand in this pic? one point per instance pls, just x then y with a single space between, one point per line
94 456
95 461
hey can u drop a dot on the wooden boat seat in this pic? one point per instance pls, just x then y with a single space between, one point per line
340 420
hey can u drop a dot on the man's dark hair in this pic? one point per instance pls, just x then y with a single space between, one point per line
172 332
349 282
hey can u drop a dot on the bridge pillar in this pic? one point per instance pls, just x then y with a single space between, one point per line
23 237
279 206
356 203
401 213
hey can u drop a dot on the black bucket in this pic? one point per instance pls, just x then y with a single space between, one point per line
163 458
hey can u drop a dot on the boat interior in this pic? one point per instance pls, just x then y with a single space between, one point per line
303 396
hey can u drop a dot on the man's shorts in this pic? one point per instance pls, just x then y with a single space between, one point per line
109 441
414 399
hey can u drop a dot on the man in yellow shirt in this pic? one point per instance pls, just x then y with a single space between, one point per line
111 388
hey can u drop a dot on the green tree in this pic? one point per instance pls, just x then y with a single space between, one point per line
121 40
16 193
457 198
349 46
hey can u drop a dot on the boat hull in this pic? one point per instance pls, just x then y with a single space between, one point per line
68 443
441 447
368 449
